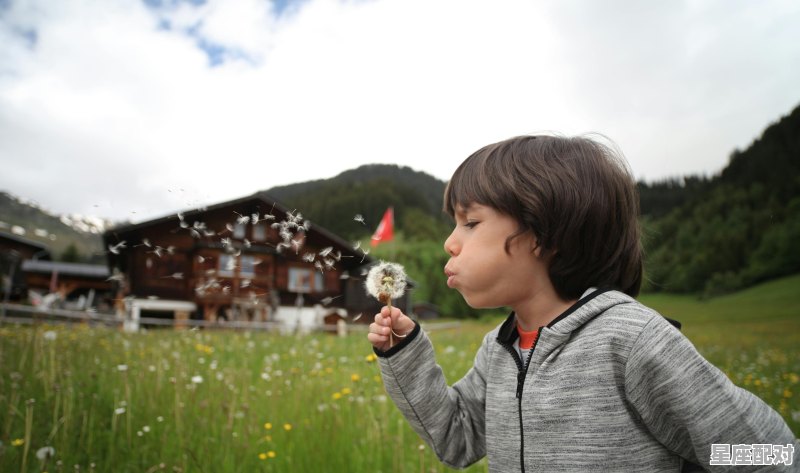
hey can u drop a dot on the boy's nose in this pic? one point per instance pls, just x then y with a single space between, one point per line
450 246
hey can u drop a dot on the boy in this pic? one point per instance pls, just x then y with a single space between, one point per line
580 377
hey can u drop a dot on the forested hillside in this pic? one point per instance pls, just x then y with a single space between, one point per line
736 229
368 190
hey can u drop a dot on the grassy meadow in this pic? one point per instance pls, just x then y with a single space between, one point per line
213 401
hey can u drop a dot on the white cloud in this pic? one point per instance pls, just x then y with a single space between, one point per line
114 107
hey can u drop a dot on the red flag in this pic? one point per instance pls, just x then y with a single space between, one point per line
385 230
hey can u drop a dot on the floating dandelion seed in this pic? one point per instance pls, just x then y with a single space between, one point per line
327 300
309 257
360 219
145 242
358 316
115 248
326 251
296 244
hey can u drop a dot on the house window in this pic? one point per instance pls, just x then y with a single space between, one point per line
305 280
228 263
260 232
239 231
248 266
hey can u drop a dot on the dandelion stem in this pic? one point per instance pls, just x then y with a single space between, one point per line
28 428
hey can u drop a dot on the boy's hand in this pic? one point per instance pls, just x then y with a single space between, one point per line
384 323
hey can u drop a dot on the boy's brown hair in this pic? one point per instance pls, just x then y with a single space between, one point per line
575 195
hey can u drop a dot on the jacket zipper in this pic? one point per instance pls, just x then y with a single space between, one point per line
522 372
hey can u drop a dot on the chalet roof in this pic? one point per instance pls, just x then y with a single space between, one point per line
24 241
66 269
262 197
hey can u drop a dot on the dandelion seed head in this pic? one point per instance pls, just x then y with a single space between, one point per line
45 453
386 281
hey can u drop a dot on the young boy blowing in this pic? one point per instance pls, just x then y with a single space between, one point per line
580 377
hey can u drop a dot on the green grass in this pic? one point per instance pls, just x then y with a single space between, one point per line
114 402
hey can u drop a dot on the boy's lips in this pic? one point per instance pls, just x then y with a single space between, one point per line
450 277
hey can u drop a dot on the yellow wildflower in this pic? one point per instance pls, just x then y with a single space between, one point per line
17 442
371 357
287 427
337 395
268 425
262 456
355 378
271 454
346 391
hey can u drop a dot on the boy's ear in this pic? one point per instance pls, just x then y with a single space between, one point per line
538 251
536 248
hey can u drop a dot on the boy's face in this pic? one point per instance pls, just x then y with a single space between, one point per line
480 268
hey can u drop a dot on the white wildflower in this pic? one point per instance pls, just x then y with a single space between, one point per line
44 453
50 335
122 367
197 379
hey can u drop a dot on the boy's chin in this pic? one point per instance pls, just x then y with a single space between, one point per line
478 304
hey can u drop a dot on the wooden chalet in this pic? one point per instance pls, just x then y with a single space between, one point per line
246 259
14 249
77 285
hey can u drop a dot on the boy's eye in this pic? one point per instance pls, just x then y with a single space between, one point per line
471 224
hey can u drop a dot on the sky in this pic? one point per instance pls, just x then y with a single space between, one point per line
131 109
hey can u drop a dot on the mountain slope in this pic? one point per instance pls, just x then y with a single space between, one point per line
737 228
56 232
368 190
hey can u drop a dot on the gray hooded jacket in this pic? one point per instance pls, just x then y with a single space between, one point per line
610 386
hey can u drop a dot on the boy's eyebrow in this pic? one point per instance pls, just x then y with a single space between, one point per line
464 208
